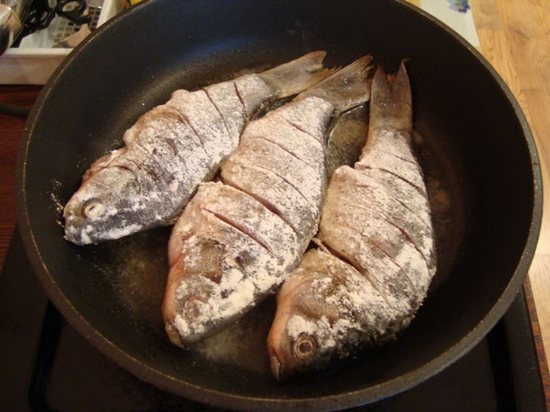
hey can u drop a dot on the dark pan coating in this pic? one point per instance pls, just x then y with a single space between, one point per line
238 239
483 172
174 147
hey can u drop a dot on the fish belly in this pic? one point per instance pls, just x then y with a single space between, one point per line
227 250
281 163
257 222
366 224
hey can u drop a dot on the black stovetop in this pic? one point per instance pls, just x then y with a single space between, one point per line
46 365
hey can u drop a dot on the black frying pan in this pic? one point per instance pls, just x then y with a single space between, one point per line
476 146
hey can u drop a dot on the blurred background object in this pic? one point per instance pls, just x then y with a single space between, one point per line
49 30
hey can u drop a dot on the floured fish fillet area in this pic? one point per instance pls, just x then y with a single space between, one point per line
233 247
377 253
323 308
238 239
281 162
174 147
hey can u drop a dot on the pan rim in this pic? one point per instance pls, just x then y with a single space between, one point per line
217 398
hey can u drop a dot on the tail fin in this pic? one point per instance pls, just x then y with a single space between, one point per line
391 103
297 75
347 88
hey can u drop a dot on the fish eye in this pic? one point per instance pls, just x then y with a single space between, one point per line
93 209
305 346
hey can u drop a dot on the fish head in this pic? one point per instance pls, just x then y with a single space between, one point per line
193 296
103 207
302 337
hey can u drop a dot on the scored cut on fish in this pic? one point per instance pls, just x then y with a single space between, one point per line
238 239
174 147
376 255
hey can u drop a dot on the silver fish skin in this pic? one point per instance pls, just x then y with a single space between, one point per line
174 147
238 238
326 310
376 257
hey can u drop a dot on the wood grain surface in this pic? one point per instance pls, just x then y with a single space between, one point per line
11 128
514 37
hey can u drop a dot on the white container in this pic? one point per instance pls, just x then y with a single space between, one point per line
34 61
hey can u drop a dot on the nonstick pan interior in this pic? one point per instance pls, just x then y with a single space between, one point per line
473 141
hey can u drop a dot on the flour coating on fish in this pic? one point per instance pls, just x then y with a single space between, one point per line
233 250
174 147
377 256
238 239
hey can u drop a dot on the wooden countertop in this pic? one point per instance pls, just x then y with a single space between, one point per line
514 36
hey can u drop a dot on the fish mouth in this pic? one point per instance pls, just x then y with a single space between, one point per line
276 368
73 225
70 213
73 222
174 335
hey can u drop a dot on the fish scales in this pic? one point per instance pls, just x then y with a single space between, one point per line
277 177
220 239
168 153
376 255
174 147
374 198
189 325
379 225
400 159
237 104
348 299
205 122
270 157
224 231
296 143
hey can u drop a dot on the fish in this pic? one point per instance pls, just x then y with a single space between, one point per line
347 138
174 147
375 256
240 236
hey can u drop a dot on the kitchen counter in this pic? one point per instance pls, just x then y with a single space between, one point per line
514 36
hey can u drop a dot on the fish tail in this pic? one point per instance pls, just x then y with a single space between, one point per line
391 102
297 75
347 88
